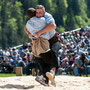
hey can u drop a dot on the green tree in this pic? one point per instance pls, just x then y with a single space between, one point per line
60 13
17 13
12 25
79 8
28 4
3 23
88 8
77 13
80 22
11 32
0 23
70 22
68 14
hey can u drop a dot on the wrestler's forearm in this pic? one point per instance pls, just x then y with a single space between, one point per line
49 27
28 33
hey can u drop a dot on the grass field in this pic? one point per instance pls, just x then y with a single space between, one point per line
8 75
12 75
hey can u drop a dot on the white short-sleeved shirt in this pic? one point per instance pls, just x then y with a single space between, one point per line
36 24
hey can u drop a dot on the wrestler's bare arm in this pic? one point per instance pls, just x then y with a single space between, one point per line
49 27
28 33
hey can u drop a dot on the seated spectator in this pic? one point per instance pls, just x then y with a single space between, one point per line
21 52
1 53
23 63
1 63
7 67
6 54
78 51
80 63
65 64
25 45
14 50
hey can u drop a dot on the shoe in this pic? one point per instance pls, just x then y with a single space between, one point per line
51 75
53 83
41 80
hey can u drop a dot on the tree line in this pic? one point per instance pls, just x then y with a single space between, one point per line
68 15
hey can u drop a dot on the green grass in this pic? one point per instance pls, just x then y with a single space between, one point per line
81 76
12 75
7 75
85 75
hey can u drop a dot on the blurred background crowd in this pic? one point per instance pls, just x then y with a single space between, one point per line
73 56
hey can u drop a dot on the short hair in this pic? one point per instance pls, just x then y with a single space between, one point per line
40 7
31 12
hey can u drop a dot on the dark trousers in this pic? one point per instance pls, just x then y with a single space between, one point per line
45 68
47 61
83 71
50 58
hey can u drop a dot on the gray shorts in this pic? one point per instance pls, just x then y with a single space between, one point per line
55 47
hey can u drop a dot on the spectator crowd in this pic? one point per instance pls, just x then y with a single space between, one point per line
73 55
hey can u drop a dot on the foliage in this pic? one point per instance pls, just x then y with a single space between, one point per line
68 15
88 8
80 22
88 22
60 29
